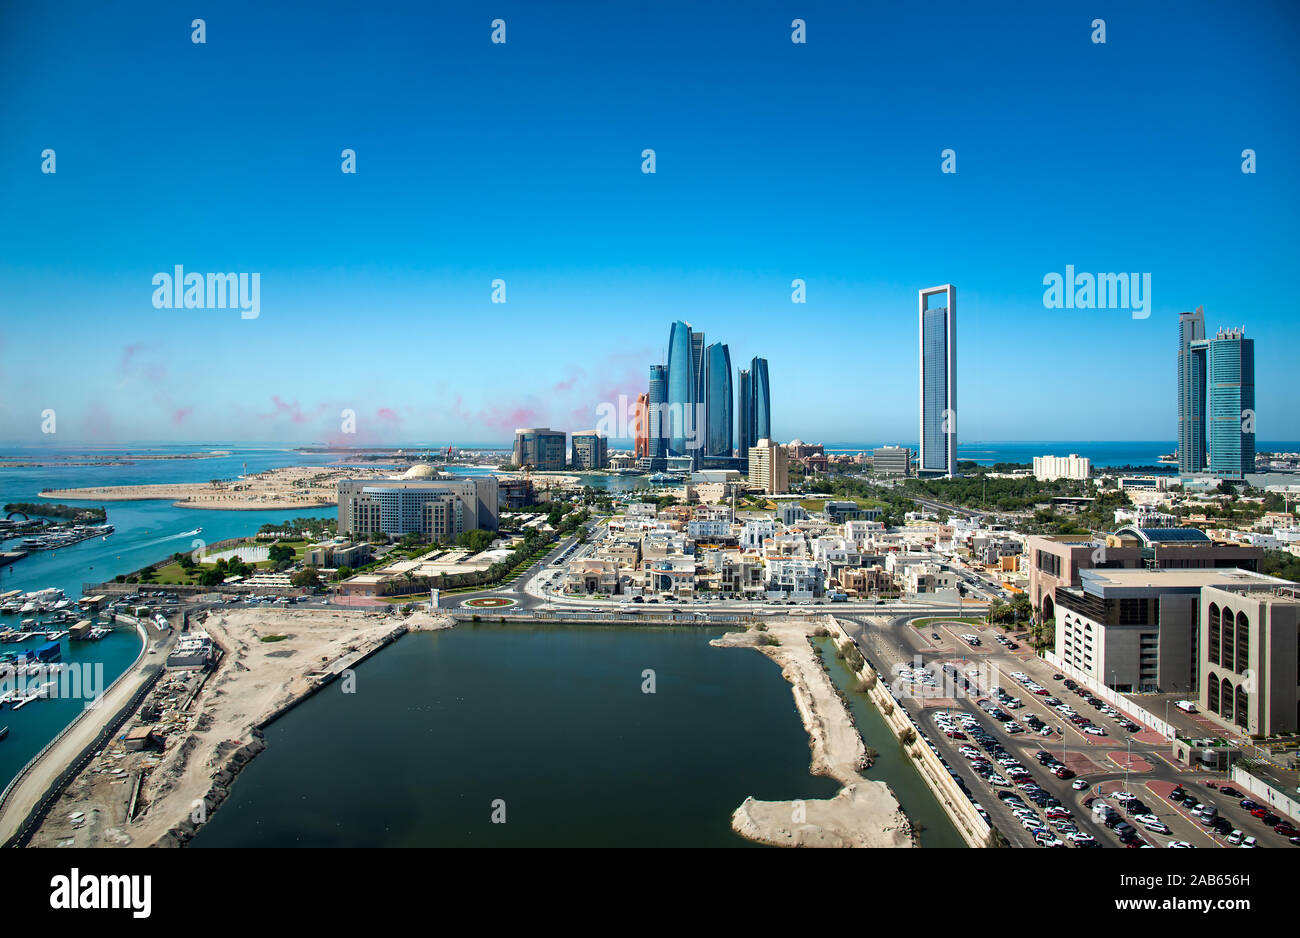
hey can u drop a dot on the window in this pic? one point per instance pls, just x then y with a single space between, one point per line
1243 642
1212 623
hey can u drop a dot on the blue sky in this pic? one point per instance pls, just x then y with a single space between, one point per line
522 161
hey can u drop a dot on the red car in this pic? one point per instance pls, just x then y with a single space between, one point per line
955 734
1259 812
1062 772
1286 829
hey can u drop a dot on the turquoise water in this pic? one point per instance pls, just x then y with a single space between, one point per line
145 532
552 720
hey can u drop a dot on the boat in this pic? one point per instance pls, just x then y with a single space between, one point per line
190 533
30 606
62 604
11 608
4 731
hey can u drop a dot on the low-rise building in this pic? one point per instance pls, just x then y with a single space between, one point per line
1250 656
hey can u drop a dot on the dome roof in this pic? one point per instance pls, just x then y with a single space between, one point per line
419 471
796 442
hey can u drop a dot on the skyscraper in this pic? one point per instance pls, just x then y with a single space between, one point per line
744 415
1230 405
697 364
658 397
1191 391
683 387
718 407
761 426
938 333
641 431
1216 399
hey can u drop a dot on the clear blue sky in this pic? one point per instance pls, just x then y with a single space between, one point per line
522 161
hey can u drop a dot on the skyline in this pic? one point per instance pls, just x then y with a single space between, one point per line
775 162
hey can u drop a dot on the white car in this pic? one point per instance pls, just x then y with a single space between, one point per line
1157 827
1079 837
1094 731
1179 844
1079 784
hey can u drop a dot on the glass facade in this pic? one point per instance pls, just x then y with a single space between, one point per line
761 427
682 386
658 396
1191 391
938 381
1231 405
718 415
745 415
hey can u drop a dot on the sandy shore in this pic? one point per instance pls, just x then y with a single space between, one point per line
289 487
864 813
209 724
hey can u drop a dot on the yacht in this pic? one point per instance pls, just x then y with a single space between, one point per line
190 533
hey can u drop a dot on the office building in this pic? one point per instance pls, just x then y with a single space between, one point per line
938 385
641 432
1191 391
1051 468
435 509
760 427
1216 399
719 418
590 450
1230 404
892 460
1138 630
658 400
769 467
540 447
1250 679
1058 561
744 416
683 389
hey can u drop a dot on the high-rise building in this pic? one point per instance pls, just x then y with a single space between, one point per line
938 347
1216 399
760 389
769 467
540 447
658 394
641 432
590 450
744 414
1230 405
1051 468
1191 391
697 364
683 388
718 415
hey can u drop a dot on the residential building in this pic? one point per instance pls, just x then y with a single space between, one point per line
744 416
679 424
540 447
657 393
938 384
769 468
1051 468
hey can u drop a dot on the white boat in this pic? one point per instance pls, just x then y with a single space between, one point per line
191 533
31 606
62 604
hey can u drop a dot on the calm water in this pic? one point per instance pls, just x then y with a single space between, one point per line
891 765
551 720
145 532
1102 453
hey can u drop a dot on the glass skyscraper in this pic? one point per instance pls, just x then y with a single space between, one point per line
760 427
1231 404
658 397
683 385
744 414
1216 399
1191 391
938 328
718 414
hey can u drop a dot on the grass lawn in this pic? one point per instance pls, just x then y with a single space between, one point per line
932 620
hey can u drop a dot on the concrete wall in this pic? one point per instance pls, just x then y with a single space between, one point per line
1281 804
973 828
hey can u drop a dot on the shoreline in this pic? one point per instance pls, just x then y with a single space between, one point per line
865 812
213 729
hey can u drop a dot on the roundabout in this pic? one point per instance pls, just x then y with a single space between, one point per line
490 602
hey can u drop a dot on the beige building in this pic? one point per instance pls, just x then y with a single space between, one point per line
1250 659
769 467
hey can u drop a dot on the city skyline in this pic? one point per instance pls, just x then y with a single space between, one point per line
553 202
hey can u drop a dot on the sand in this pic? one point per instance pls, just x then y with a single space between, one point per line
864 813
290 487
207 743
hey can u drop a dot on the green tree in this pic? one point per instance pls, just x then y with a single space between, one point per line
279 553
306 578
